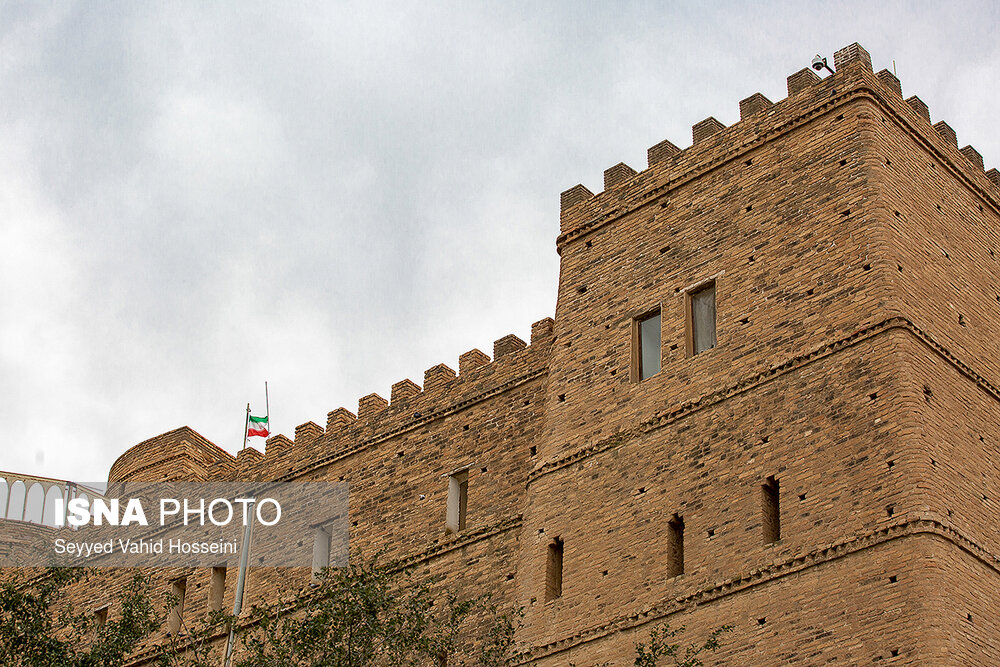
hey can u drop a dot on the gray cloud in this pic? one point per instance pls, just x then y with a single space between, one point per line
197 198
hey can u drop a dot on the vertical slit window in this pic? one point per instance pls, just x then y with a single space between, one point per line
217 589
554 570
458 501
701 319
101 617
675 546
646 345
321 552
175 620
770 510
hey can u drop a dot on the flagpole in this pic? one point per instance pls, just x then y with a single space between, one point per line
267 408
246 427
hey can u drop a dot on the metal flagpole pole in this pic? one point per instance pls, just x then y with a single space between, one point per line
241 577
267 408
241 580
246 427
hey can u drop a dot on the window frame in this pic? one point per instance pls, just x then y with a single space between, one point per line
636 361
689 294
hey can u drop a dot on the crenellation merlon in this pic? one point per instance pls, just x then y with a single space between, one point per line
617 174
305 433
919 107
371 405
576 194
804 79
437 377
853 55
542 330
277 445
569 205
471 360
890 81
994 176
403 390
507 345
946 132
248 456
705 129
339 418
754 104
974 156
661 152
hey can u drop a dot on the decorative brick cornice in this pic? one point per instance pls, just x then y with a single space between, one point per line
924 523
752 382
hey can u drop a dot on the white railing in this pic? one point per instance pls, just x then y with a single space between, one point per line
32 498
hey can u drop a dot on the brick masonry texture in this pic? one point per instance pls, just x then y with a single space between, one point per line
856 257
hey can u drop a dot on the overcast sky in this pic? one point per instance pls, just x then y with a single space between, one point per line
198 197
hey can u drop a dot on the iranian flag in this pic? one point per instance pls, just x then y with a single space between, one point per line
257 426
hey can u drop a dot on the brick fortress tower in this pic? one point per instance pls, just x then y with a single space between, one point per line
772 398
768 398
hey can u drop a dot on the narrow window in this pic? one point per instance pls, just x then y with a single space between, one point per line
458 501
101 617
217 589
675 546
771 510
701 319
176 617
646 345
321 552
554 570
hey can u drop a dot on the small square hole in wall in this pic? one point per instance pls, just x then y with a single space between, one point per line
711 532
894 652
890 463
562 398
843 163
533 450
802 496
890 510
893 579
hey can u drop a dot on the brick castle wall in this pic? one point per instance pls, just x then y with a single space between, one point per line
855 253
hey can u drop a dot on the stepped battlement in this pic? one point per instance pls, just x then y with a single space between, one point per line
714 144
444 392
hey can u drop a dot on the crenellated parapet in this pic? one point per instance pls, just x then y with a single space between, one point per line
760 119
444 392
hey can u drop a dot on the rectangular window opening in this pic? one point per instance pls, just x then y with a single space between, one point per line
675 546
101 616
175 620
646 351
701 318
770 510
554 570
321 552
458 501
217 589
